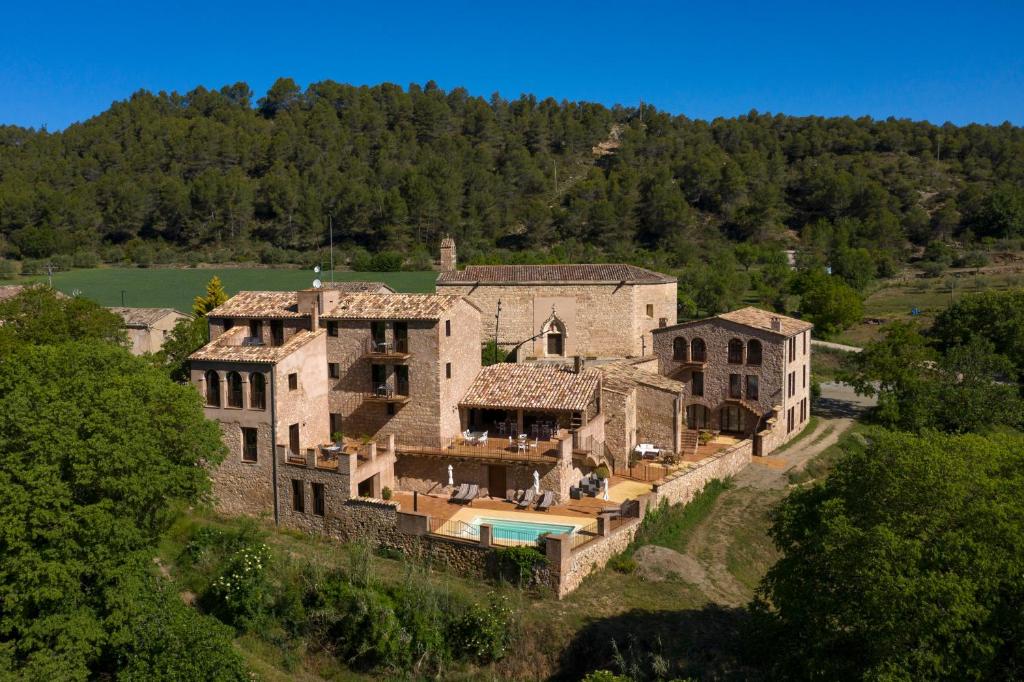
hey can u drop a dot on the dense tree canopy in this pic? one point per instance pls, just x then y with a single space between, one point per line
395 168
907 563
96 449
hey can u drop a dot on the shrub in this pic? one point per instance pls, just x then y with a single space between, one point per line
483 630
9 269
517 564
385 493
386 261
360 260
62 261
815 389
602 471
622 563
705 437
85 259
241 593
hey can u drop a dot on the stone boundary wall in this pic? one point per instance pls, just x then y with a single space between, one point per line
680 487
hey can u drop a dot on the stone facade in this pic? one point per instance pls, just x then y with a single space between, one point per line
148 328
596 319
640 407
782 378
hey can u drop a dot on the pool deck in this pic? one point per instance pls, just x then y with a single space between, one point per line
571 512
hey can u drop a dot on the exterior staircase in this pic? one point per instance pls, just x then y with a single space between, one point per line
689 441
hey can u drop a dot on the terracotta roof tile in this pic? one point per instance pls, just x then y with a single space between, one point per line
391 307
524 274
532 387
751 317
359 287
143 317
762 319
228 347
259 304
624 376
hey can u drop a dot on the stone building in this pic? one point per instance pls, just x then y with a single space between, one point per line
746 372
641 406
148 328
323 362
596 311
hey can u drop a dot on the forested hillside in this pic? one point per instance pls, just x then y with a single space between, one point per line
396 168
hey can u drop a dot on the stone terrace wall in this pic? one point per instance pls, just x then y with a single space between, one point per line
680 487
593 556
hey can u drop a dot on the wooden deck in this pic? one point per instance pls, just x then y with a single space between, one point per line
440 508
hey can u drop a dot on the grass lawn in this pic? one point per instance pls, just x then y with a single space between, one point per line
894 299
176 287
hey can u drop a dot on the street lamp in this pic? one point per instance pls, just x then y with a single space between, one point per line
497 321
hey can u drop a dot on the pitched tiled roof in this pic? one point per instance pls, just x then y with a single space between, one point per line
624 376
11 290
276 304
752 317
762 319
143 317
359 287
527 274
532 387
228 347
391 307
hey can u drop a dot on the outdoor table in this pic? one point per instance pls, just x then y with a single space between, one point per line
646 450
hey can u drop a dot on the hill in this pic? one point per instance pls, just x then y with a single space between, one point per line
164 174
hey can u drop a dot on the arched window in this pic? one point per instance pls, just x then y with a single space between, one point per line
735 352
234 389
698 350
257 391
753 352
212 389
679 348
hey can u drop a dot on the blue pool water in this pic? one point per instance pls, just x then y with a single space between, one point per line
523 531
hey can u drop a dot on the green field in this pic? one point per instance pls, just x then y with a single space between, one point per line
175 288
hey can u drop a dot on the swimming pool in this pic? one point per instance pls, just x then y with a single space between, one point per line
509 531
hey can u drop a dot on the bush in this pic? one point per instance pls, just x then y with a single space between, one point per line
85 259
385 493
360 260
62 261
815 389
241 594
622 563
9 269
602 471
482 631
386 261
517 564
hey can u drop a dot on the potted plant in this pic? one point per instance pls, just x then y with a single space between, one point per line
601 472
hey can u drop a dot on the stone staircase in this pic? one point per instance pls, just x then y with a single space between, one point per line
689 441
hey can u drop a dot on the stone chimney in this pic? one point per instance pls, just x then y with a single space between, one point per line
448 261
776 324
577 363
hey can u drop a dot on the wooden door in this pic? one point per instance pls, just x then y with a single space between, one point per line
497 480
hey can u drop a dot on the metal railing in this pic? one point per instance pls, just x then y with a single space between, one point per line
584 534
495 448
644 472
399 346
506 537
454 529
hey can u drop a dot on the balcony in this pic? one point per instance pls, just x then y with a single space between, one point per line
396 350
382 393
495 449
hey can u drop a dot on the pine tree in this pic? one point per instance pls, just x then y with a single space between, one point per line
215 295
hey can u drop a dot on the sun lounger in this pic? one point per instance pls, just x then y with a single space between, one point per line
546 501
472 494
527 499
514 496
460 493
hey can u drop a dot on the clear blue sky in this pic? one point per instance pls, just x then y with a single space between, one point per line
960 62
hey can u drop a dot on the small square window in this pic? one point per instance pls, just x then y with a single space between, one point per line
333 370
448 370
447 327
293 381
332 329
650 310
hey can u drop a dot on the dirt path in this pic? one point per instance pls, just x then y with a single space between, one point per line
730 546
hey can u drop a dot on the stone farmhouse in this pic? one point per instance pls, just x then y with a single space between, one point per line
358 412
560 311
747 372
148 328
